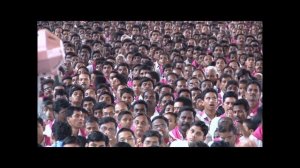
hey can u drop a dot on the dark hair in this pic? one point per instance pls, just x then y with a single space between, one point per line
255 82
140 102
232 82
168 86
88 99
105 120
185 90
121 78
198 144
220 144
61 130
60 104
121 144
71 109
187 108
230 94
127 90
202 125
250 124
151 133
185 101
91 119
208 90
71 140
122 113
123 130
97 136
160 117
243 102
75 88
107 93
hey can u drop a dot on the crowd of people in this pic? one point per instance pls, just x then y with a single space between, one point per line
154 84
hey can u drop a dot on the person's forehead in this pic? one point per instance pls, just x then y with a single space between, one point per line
239 107
141 118
158 121
196 128
210 94
108 124
186 113
124 134
151 138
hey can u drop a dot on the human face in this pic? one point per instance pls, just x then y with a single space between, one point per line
172 121
250 63
210 101
234 66
149 98
141 124
228 106
90 93
48 89
126 121
171 79
127 97
40 133
106 70
90 127
108 129
146 86
151 141
228 137
164 100
258 66
229 71
239 112
193 83
252 93
195 134
97 144
165 90
218 52
220 64
127 137
108 112
84 80
76 120
224 83
77 97
180 85
212 75
123 70
185 120
161 126
246 131
177 106
118 108
88 106
143 72
98 114
163 59
136 87
206 85
185 94
139 108
198 74
105 98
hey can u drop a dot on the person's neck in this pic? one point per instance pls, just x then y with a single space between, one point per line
252 104
182 133
210 113
75 131
151 110
75 104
